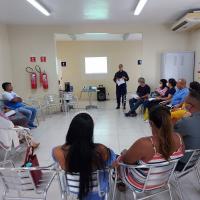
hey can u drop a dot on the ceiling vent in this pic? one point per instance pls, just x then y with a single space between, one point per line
189 22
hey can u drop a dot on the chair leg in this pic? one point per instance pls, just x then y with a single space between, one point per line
179 187
5 156
170 193
198 174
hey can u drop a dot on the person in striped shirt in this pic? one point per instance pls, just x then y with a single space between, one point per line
162 145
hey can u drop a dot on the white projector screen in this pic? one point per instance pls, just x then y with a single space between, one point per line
95 65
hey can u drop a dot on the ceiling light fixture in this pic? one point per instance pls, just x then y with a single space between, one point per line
140 6
39 6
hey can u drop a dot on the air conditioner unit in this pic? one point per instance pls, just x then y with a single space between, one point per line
189 22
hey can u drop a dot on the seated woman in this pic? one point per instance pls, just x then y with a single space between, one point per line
81 155
160 92
162 89
16 136
163 145
170 92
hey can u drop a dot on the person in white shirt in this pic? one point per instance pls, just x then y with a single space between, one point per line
9 135
15 102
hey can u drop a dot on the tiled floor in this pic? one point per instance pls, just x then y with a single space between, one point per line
111 129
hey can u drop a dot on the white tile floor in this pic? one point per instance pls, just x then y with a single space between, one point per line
111 129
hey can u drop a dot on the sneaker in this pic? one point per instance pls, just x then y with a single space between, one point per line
133 114
117 107
128 114
31 126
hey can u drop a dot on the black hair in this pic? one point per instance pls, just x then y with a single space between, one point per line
195 85
161 117
5 84
195 90
164 83
172 81
82 156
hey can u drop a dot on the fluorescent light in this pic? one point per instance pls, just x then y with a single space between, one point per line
140 6
40 7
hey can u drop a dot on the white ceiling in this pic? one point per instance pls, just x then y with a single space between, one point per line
99 37
72 12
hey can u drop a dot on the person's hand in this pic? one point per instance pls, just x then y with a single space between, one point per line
158 98
124 77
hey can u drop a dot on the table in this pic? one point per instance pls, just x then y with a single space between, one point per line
89 90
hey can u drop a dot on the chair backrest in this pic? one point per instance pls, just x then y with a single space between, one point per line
147 177
100 182
16 179
194 157
52 99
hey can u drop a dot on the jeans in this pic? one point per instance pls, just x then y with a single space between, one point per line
134 104
121 94
29 112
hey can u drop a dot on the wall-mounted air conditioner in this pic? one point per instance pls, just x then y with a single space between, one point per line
187 23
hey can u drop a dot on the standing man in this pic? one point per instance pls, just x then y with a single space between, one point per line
120 79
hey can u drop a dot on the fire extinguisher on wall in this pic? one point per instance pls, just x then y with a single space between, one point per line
33 77
38 69
45 80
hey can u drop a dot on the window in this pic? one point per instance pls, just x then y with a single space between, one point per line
95 65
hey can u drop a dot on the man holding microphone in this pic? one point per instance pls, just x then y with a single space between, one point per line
120 79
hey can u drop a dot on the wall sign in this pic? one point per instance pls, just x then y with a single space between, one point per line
63 64
32 59
43 59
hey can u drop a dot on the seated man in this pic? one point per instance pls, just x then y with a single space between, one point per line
189 127
143 92
180 94
13 101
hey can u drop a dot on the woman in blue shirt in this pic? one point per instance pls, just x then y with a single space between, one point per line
82 156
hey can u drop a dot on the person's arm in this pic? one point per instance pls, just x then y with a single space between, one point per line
169 97
134 153
147 94
115 78
9 97
126 77
181 127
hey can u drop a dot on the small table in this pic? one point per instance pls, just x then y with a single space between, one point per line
89 90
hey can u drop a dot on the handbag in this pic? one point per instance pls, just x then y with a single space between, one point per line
31 159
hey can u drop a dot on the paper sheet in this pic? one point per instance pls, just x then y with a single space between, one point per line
120 81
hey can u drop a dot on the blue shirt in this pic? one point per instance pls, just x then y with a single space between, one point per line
179 96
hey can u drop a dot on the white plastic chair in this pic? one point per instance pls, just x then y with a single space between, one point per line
17 134
191 165
69 184
53 103
39 105
18 182
154 182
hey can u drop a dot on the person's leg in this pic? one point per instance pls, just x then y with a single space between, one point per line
25 112
124 92
118 97
136 105
33 114
132 103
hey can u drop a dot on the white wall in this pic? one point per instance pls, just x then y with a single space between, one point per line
5 62
194 45
37 40
125 52
32 41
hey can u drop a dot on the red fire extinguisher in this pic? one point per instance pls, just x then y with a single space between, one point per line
45 80
33 77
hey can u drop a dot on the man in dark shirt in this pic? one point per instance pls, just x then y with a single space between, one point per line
120 79
143 92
